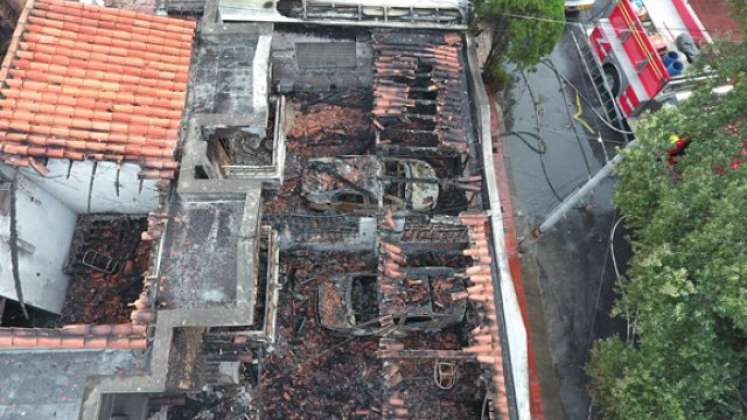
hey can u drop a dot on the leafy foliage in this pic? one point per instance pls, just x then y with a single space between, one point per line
739 8
686 297
524 30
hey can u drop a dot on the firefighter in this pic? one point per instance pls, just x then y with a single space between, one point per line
678 145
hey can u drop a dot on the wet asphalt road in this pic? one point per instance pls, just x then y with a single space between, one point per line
569 268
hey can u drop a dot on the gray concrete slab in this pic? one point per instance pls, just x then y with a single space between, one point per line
199 265
223 74
50 384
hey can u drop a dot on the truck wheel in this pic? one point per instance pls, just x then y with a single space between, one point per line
613 78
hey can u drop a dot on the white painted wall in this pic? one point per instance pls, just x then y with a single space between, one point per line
261 73
73 191
47 225
47 209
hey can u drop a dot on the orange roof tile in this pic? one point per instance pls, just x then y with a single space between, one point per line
486 337
87 82
117 336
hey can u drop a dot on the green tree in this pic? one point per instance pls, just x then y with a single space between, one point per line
685 297
524 31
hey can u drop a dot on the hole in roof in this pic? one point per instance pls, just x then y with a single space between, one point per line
200 172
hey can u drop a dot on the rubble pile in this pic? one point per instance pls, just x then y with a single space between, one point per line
421 385
313 373
242 148
230 403
326 120
441 389
446 339
324 129
287 198
106 263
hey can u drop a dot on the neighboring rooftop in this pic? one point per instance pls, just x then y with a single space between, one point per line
718 18
443 14
81 82
50 384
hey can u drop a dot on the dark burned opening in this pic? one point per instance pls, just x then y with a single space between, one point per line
411 320
263 277
238 146
439 258
350 197
365 298
287 7
200 172
425 100
397 186
184 8
233 350
13 316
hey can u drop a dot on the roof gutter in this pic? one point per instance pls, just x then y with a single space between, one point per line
515 330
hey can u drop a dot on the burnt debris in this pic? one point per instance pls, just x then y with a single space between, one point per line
376 310
329 241
107 264
420 91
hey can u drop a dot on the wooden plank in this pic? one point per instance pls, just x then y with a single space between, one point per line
427 354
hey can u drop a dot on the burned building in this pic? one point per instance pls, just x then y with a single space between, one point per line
266 219
444 14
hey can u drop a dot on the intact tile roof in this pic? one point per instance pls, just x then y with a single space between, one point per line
87 82
130 336
119 336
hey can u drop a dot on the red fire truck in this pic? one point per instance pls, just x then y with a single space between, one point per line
638 58
640 53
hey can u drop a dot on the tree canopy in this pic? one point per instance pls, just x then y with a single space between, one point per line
524 30
685 294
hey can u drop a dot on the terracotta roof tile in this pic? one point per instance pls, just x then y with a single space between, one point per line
118 336
486 337
86 82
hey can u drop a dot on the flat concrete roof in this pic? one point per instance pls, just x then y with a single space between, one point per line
200 253
40 384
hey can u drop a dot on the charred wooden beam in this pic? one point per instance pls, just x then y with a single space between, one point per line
426 354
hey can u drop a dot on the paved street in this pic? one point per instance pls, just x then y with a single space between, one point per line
568 267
